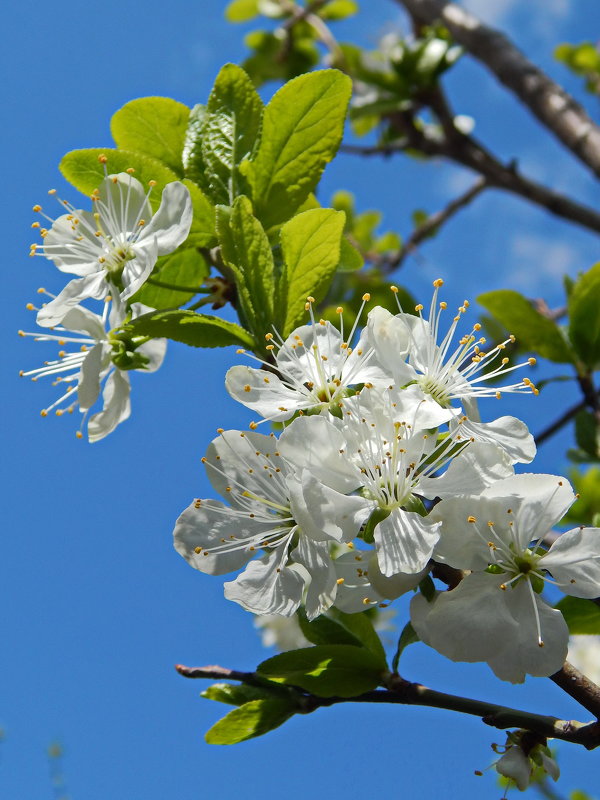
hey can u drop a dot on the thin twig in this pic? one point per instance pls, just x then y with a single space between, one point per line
546 100
559 423
391 262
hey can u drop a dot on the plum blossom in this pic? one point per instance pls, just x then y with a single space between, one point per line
114 248
496 613
276 509
413 350
315 368
89 370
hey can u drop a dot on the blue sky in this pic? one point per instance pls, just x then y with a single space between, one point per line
97 605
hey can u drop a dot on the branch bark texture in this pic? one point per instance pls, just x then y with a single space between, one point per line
548 101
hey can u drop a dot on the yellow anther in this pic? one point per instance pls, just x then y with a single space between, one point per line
419 307
141 223
102 158
270 347
30 307
512 338
130 170
37 208
35 225
43 413
339 310
498 395
268 337
340 581
438 282
366 297
253 426
394 289
532 362
477 326
350 545
471 518
197 550
78 434
247 388
443 305
152 183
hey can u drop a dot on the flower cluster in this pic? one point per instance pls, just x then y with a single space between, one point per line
382 470
112 251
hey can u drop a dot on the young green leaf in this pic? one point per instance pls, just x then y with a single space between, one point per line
230 130
203 232
338 9
254 718
235 694
192 159
302 129
408 636
582 616
535 332
325 630
584 317
184 268
155 126
196 330
361 626
311 246
247 252
335 670
350 258
241 10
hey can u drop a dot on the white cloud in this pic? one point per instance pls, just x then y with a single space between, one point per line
542 15
537 260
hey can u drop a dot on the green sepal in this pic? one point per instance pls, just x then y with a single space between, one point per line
196 330
581 615
534 332
154 126
251 719
377 516
335 670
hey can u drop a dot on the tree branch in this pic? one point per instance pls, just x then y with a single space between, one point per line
580 688
548 101
403 692
559 423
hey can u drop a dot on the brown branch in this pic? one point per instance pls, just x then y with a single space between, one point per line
559 423
403 692
548 101
580 688
391 262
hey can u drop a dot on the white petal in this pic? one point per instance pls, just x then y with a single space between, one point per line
265 393
396 585
470 623
405 542
316 444
521 654
122 203
355 593
116 409
514 764
88 388
550 766
155 351
324 514
74 248
463 544
322 588
477 467
83 320
574 561
205 527
267 586
312 353
74 292
390 338
539 502
171 224
137 269
509 433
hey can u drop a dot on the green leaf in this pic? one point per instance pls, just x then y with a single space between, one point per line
408 636
302 129
193 161
324 630
361 626
246 250
230 130
241 10
254 718
86 173
335 670
534 332
587 434
203 232
185 267
196 330
155 126
350 258
235 694
311 246
338 9
584 317
582 616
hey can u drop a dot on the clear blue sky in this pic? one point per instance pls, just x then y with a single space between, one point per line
97 605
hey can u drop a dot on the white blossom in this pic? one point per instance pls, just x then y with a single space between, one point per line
276 509
314 368
114 248
87 368
496 613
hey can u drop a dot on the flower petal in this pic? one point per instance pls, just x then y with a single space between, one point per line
267 586
574 561
137 269
205 527
54 312
73 247
171 224
405 542
116 409
265 393
88 388
509 433
322 588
